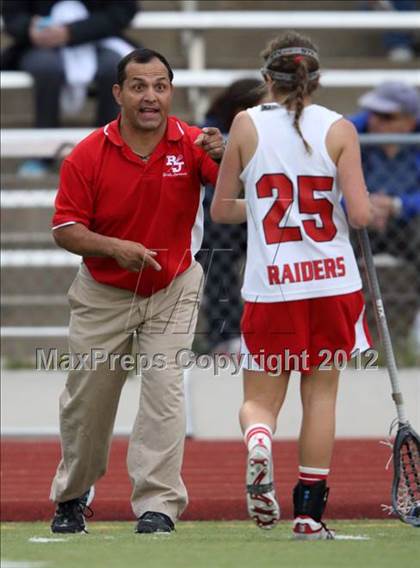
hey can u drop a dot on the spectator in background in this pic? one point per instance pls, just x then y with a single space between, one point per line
65 45
392 171
399 44
224 245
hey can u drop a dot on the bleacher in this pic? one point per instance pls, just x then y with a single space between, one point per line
36 275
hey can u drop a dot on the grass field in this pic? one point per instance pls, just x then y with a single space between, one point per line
369 544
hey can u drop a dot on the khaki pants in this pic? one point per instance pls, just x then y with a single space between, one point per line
106 318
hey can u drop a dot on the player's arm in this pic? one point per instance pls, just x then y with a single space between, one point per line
226 207
344 148
78 239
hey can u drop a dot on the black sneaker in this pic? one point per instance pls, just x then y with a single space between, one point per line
70 515
152 522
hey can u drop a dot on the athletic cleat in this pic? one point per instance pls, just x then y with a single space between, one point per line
262 504
152 522
70 515
309 503
306 528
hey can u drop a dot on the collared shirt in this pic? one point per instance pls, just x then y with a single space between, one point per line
108 188
398 176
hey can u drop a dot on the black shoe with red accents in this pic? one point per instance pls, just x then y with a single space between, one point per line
70 515
152 522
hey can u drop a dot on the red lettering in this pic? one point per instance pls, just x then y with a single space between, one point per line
319 270
341 267
298 277
287 274
307 270
273 274
329 265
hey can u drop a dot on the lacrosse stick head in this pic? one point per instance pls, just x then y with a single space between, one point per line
406 482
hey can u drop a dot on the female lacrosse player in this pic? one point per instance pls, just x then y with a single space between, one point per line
304 309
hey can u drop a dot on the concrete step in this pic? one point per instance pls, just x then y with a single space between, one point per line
242 47
22 352
37 279
153 6
27 241
300 5
36 315
342 100
26 221
9 179
14 100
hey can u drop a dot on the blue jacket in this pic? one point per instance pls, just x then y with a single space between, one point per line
398 176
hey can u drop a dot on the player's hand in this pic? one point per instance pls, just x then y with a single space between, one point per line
383 207
212 142
134 256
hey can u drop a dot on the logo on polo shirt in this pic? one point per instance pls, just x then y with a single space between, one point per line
175 165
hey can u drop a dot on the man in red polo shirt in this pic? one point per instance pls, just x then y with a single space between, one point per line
129 203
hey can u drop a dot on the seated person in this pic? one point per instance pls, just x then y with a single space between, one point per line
400 45
64 46
392 171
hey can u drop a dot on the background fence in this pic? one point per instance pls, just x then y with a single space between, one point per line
35 278
36 275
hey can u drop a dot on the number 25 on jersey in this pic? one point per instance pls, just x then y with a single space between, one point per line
306 186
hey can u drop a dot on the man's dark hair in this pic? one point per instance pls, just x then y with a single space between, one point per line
141 55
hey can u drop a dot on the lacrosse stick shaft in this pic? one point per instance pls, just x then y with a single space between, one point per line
382 325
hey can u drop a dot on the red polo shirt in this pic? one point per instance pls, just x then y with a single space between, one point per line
105 186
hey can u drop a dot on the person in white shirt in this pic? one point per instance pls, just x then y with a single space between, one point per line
304 309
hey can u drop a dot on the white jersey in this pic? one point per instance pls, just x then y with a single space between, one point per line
298 236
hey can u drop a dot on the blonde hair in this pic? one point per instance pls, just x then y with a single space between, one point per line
291 60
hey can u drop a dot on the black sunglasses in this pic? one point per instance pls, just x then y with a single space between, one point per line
387 116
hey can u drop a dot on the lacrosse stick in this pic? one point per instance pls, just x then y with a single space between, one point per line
406 446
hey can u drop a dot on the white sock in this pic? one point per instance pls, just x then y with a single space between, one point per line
311 475
258 434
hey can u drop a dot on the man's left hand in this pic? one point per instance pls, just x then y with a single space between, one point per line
212 141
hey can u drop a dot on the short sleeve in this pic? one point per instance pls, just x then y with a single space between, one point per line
74 200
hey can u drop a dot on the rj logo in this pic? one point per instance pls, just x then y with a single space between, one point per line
175 163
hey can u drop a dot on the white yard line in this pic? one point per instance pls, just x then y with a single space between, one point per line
20 564
44 540
351 537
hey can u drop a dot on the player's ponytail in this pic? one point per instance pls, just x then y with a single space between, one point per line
299 96
292 63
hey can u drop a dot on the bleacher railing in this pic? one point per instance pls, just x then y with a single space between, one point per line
193 24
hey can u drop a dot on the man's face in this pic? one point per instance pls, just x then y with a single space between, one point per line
391 123
145 96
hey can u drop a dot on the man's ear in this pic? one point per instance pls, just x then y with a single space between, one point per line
116 91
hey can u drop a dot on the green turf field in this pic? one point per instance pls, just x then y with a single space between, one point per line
371 544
